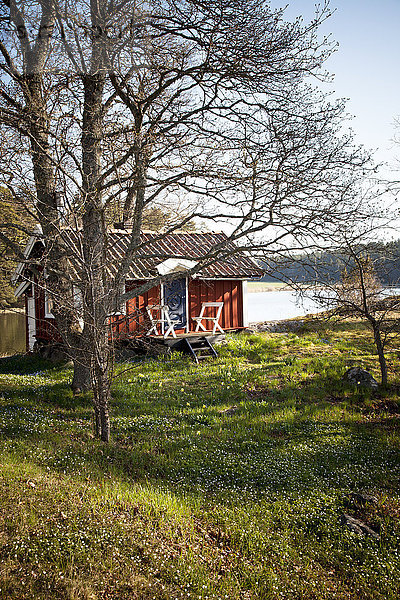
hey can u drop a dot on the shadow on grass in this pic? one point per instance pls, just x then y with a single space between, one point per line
51 390
24 364
54 395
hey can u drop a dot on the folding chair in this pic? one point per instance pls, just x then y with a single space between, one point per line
165 319
214 320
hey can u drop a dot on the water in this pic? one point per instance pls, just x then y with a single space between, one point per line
286 304
275 306
12 332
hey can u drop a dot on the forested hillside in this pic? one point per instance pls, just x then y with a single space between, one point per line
327 266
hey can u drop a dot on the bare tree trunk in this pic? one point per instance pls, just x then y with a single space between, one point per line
381 354
101 384
44 173
97 424
363 275
81 381
101 391
96 300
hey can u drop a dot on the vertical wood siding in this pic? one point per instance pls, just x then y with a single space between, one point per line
227 291
135 322
46 329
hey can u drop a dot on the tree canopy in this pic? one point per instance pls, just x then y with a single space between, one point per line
203 104
15 222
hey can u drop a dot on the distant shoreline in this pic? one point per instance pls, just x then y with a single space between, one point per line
278 286
266 286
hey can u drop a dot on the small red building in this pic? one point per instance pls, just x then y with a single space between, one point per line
222 281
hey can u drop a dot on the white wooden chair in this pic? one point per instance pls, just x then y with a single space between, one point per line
153 310
214 319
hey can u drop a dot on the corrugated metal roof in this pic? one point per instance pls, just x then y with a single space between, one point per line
224 258
217 257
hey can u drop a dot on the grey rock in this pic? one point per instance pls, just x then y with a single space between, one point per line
53 352
219 340
358 527
360 378
362 498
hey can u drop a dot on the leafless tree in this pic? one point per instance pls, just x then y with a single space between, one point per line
112 107
357 292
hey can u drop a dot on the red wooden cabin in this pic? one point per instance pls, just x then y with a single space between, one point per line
223 280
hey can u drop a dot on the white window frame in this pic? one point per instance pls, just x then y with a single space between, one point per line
48 304
31 320
48 300
245 303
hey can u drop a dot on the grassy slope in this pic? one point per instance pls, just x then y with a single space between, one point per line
191 502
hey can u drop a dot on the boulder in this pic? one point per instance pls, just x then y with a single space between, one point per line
53 352
360 378
360 499
358 527
249 330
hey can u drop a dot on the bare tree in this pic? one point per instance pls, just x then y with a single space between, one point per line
207 105
359 294
356 291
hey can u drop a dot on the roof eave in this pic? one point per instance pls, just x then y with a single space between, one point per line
23 286
27 252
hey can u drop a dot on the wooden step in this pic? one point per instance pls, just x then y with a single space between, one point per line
199 349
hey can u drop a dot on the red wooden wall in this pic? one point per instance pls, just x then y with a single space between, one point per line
230 292
46 329
136 323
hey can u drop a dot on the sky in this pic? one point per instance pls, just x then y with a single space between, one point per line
366 66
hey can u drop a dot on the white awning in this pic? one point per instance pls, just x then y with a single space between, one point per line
172 265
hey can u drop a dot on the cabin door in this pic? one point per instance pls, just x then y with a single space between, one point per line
175 297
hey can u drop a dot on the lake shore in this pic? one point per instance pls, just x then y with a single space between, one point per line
266 286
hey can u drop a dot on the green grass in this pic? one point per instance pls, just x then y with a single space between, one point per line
189 501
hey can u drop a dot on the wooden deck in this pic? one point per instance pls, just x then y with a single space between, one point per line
175 343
